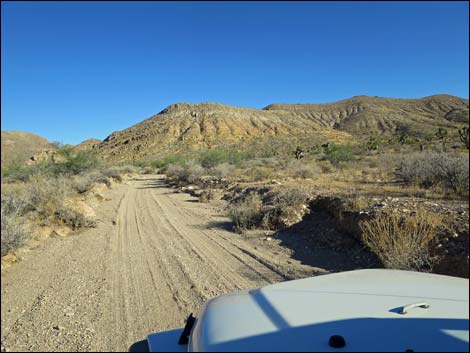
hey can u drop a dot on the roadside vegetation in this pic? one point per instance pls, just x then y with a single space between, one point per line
427 165
276 179
404 242
43 193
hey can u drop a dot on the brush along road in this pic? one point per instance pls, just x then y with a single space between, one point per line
154 257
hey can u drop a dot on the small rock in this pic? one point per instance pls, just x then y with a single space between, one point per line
268 239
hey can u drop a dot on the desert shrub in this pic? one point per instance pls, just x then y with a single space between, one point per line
261 173
73 218
83 183
247 213
403 242
357 203
326 166
302 169
163 163
189 172
436 169
114 172
13 230
148 170
99 178
211 158
222 170
286 207
175 171
128 169
45 196
74 164
206 195
338 153
373 143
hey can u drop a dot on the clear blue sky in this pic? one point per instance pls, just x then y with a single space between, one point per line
75 70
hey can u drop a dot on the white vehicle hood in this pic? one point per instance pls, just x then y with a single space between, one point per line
361 306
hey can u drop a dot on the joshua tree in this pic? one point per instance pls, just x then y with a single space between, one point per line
464 136
299 153
441 134
373 143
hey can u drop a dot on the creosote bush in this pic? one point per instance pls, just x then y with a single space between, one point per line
403 242
338 153
247 214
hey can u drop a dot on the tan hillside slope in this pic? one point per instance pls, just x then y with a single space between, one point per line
362 113
87 145
18 146
183 126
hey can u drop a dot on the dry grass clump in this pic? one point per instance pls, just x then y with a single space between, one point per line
206 195
260 173
303 169
357 203
13 231
83 183
436 169
403 242
148 170
222 170
247 213
45 198
113 172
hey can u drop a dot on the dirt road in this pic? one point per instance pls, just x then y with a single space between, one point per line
154 257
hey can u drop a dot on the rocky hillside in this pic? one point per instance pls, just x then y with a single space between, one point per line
87 145
184 126
363 114
19 146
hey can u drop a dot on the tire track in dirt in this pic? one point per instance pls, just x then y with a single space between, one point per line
151 261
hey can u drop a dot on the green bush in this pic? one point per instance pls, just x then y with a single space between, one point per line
338 153
17 172
165 162
211 158
75 164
